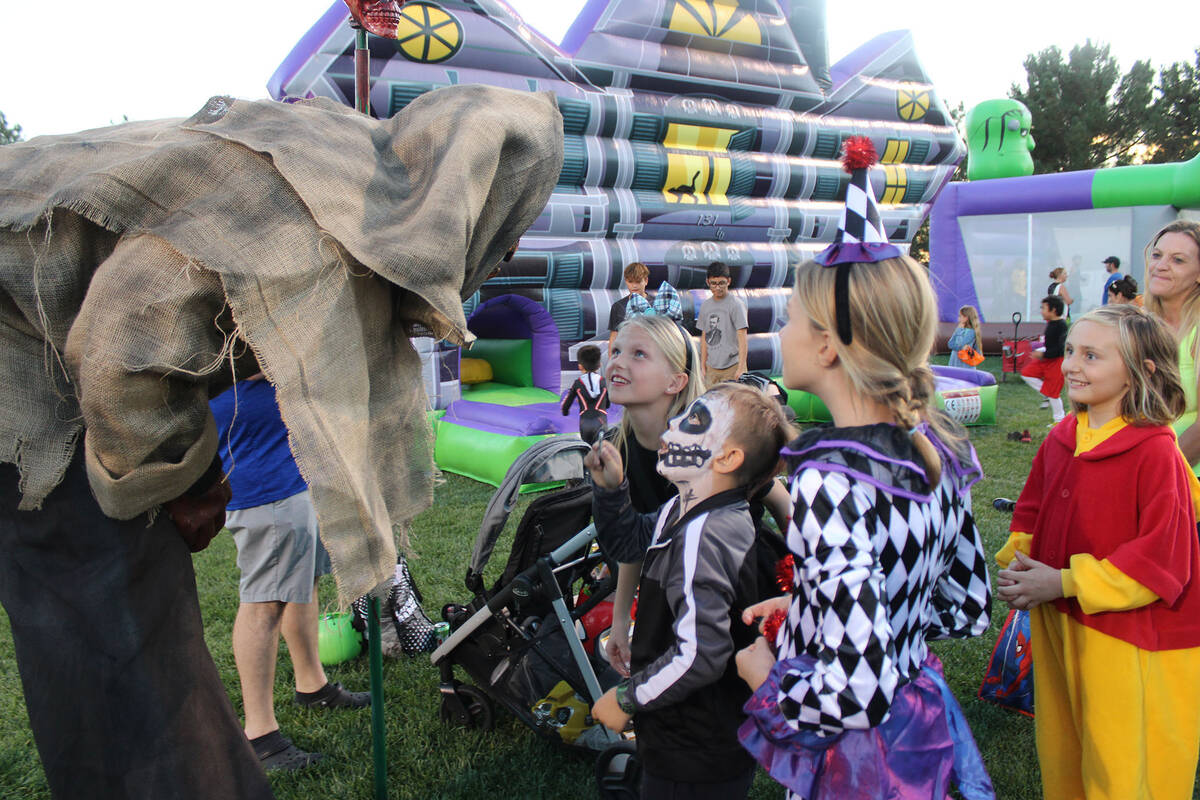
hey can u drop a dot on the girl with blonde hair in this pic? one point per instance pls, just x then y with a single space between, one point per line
1109 577
967 334
886 553
653 373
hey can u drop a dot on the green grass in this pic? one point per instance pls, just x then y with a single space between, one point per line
429 760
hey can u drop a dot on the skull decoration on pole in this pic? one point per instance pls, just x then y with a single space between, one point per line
379 17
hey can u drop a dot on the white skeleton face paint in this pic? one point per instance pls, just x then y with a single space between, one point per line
694 438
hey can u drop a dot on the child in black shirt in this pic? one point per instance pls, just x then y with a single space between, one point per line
1044 372
590 390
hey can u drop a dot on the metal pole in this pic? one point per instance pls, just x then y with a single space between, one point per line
378 740
362 72
362 102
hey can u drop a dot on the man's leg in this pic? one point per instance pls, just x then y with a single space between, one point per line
255 648
122 695
300 632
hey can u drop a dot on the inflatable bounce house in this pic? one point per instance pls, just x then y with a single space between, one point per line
995 238
695 131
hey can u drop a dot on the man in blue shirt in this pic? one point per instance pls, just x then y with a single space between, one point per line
280 557
1113 265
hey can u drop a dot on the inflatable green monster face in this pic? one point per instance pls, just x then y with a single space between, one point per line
998 140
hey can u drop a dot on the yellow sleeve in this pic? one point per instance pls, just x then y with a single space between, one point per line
1099 586
1016 541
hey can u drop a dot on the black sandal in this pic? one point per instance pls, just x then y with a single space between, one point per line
333 695
276 752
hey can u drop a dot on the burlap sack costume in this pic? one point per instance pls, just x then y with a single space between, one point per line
137 263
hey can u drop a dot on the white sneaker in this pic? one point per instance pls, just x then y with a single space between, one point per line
1044 404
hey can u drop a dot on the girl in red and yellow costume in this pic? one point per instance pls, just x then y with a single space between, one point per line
1103 551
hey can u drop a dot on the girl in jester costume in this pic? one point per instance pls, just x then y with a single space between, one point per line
848 701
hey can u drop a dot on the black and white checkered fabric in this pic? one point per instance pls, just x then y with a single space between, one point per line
860 216
877 574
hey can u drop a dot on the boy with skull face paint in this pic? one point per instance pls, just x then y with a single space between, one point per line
698 571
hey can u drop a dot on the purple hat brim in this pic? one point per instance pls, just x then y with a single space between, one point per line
856 253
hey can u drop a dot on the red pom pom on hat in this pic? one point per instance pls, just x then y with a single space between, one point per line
858 152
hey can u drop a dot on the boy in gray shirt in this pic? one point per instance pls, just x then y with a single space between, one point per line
722 323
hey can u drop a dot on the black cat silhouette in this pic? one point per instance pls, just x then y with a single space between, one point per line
685 189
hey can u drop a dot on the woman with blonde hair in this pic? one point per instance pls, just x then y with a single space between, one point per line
1173 293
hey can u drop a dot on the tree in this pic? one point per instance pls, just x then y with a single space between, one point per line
8 134
1085 113
1173 130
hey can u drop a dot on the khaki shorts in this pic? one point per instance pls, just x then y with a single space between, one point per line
714 376
279 553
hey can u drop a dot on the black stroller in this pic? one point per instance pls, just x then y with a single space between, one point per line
533 642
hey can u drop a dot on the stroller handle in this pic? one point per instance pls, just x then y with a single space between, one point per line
571 546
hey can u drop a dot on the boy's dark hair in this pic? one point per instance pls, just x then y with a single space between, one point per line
589 357
717 269
1055 303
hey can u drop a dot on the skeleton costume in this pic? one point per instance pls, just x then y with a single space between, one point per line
698 572
591 392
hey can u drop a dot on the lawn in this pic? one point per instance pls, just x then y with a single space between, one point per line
429 760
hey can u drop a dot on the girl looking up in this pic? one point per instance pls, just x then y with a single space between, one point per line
886 552
1109 578
654 373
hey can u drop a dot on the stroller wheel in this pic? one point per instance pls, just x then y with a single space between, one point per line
468 707
618 772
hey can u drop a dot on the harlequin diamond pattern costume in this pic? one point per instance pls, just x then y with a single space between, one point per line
883 562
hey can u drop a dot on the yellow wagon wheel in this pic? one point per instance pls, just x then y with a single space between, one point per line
912 105
427 33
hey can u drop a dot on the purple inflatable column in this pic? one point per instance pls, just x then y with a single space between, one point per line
949 268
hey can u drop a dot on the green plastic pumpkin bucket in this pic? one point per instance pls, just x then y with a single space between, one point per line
337 641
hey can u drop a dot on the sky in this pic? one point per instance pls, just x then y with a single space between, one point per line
94 63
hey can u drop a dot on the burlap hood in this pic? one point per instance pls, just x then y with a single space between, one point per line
138 256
